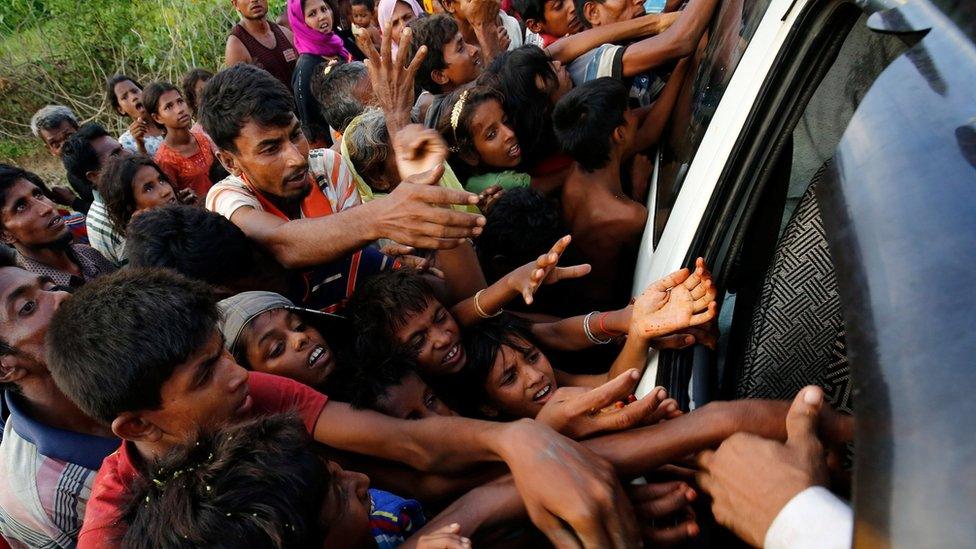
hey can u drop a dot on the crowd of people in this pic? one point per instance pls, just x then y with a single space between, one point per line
428 212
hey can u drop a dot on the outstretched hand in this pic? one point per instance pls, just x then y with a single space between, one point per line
392 79
418 149
527 278
678 301
663 502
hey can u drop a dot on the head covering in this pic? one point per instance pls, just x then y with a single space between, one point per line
384 12
309 40
238 311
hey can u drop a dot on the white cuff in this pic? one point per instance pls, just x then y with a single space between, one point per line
814 519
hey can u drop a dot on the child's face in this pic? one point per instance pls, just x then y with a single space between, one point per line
345 510
361 16
560 18
279 342
520 384
462 60
412 399
318 16
172 111
435 336
208 389
494 140
150 189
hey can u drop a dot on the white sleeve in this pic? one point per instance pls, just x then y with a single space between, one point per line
814 519
228 195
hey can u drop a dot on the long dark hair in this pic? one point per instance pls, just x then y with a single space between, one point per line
110 84
115 185
190 86
460 139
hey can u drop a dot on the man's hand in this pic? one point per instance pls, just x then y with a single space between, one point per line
751 478
418 149
392 79
411 215
571 494
527 278
675 302
664 512
480 12
578 412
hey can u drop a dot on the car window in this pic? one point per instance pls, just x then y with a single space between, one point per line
730 33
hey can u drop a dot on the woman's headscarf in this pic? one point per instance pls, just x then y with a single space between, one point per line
309 40
385 13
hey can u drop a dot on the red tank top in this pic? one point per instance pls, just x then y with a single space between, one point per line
279 60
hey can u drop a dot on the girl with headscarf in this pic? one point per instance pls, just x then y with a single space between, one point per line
399 13
318 43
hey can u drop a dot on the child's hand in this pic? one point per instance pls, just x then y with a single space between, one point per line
675 302
447 537
488 197
664 502
527 278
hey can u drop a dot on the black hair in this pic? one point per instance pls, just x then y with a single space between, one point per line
192 241
258 483
10 174
530 9
110 84
241 94
367 3
585 118
482 343
8 258
381 305
461 140
435 32
369 380
153 93
514 73
77 153
332 87
115 184
112 346
521 225
190 86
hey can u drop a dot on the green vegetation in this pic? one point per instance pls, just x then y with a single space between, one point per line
61 51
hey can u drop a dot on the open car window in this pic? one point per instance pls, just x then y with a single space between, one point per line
732 28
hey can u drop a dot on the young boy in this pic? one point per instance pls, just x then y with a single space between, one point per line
140 350
550 19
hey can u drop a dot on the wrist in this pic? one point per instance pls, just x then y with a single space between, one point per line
373 230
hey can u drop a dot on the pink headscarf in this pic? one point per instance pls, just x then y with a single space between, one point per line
385 13
309 40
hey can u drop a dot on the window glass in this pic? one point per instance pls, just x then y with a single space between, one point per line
731 30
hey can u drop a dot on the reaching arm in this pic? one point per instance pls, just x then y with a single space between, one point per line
650 130
678 41
569 47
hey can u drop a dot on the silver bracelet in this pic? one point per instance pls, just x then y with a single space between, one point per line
589 333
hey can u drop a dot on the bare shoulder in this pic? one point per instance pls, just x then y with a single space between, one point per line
235 52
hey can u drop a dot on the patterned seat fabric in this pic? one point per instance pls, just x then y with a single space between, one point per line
797 333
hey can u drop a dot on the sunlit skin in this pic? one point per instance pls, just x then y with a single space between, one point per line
251 9
412 399
494 139
402 14
435 337
274 159
463 63
55 137
172 111
280 342
519 383
150 189
318 16
29 218
345 510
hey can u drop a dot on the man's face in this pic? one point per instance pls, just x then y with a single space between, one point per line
251 9
29 218
208 389
274 159
463 62
612 11
27 304
412 399
106 148
172 111
54 138
560 18
435 337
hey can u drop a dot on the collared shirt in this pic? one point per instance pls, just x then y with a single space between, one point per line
814 519
102 234
91 263
47 479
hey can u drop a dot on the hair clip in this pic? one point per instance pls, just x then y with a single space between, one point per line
458 109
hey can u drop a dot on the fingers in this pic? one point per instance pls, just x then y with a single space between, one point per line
669 503
704 317
404 46
396 249
612 391
673 534
801 420
575 271
445 231
560 246
671 280
414 66
554 529
675 341
386 43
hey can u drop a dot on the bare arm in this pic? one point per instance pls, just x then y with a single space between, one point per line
235 52
462 272
680 40
569 47
650 130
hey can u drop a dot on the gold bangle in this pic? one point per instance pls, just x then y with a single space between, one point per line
477 306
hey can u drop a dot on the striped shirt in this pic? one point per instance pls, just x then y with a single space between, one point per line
47 479
102 234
